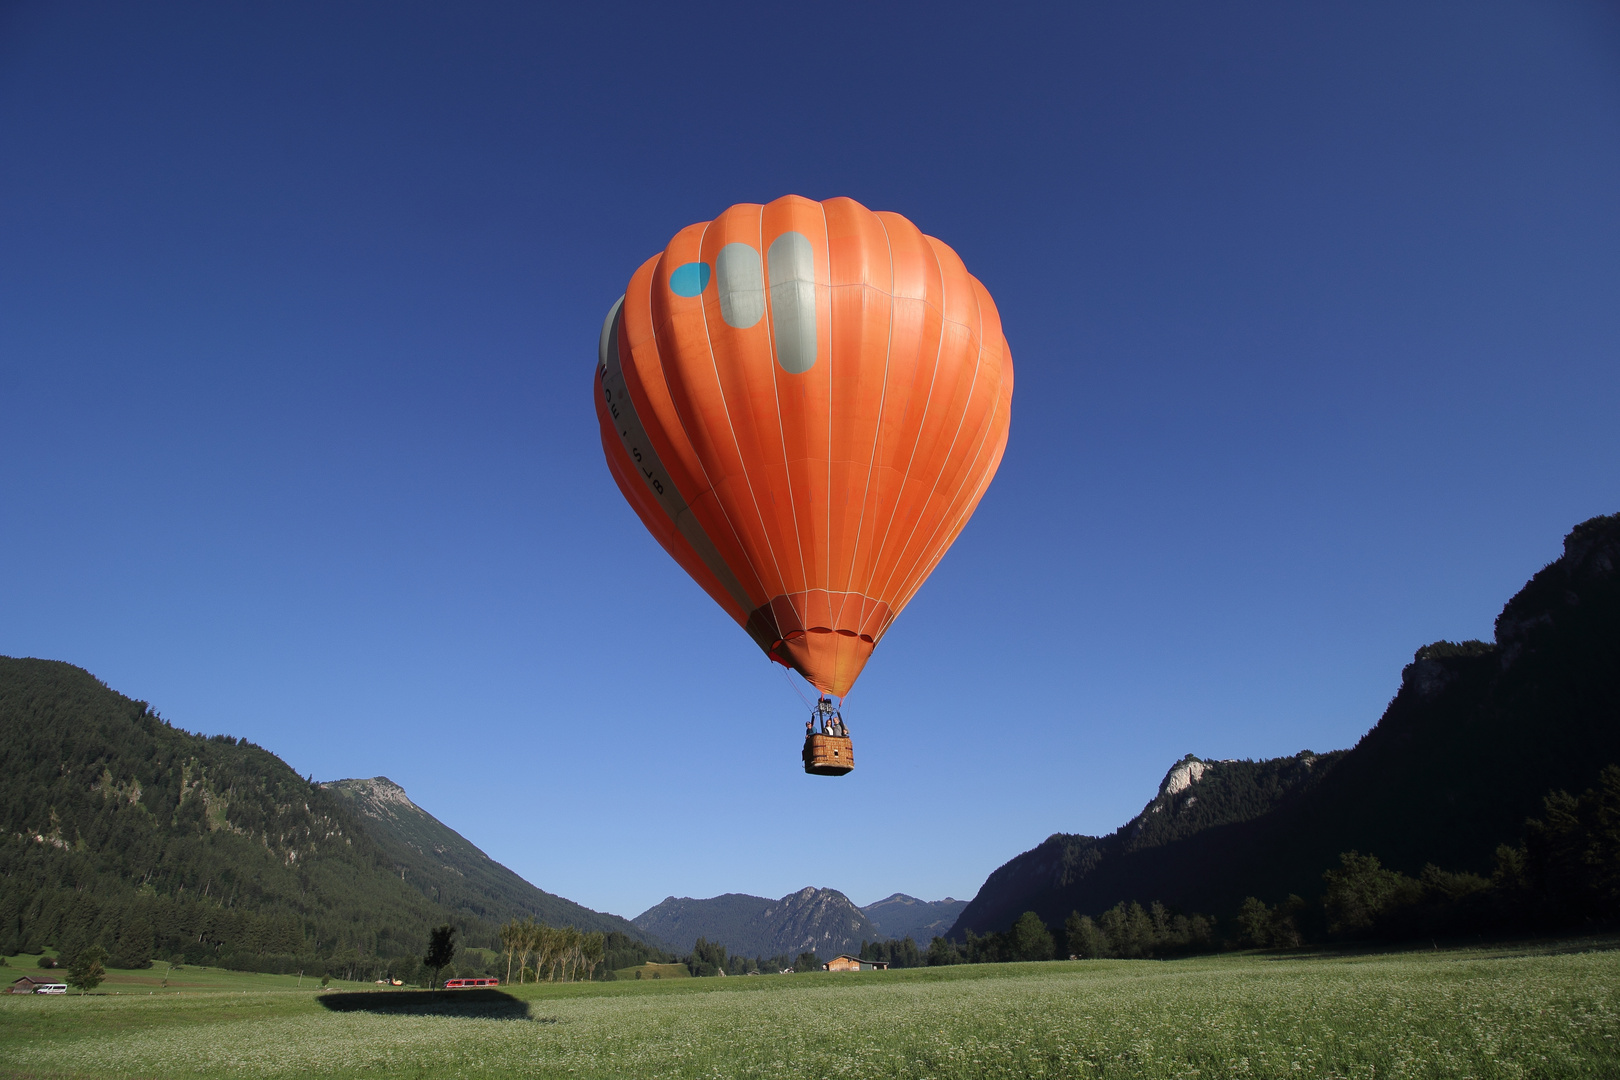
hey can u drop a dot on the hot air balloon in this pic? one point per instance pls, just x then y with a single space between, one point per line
804 402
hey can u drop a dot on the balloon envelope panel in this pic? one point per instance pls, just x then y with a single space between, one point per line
804 403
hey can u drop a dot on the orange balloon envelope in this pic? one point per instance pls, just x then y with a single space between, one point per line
804 402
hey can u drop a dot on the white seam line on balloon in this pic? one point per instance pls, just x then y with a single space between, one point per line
914 582
742 461
888 359
708 482
928 402
708 486
877 431
926 305
909 582
719 502
959 521
938 556
973 387
945 322
968 508
721 572
826 239
776 393
769 319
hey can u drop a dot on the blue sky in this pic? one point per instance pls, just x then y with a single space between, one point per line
1315 311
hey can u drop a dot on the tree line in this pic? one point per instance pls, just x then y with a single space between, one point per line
712 958
559 953
1127 930
1564 875
897 954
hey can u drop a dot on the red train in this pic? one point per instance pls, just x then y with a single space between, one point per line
469 984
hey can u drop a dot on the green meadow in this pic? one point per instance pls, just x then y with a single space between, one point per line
1524 1011
650 970
160 978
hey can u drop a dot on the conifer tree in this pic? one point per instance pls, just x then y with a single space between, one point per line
441 950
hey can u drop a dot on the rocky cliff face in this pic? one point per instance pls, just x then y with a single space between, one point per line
1197 794
1476 735
1194 795
823 921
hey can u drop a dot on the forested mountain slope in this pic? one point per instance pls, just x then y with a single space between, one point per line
902 916
1194 795
446 867
823 921
119 828
1475 737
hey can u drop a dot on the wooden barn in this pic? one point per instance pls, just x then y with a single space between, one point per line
846 962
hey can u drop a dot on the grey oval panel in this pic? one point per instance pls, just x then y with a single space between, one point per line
792 264
741 284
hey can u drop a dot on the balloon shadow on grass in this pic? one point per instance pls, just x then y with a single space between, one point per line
480 1004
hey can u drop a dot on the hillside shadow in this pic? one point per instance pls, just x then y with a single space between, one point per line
480 1004
1482 947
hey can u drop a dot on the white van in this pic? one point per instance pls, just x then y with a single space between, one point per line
51 988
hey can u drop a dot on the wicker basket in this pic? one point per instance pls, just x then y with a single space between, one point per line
828 755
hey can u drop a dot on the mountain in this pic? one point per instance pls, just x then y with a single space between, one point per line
823 921
735 920
119 828
444 866
1194 795
1474 738
901 916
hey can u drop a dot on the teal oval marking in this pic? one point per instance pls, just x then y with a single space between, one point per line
689 279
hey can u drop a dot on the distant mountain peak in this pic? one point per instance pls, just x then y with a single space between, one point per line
1189 777
907 898
821 920
1182 775
377 790
424 850
901 915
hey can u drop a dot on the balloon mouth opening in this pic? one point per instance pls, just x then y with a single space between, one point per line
797 636
825 637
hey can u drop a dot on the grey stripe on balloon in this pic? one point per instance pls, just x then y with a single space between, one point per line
792 264
741 284
633 435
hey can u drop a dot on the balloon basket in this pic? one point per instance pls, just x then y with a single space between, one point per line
828 755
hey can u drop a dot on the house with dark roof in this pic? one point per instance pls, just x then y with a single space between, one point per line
28 984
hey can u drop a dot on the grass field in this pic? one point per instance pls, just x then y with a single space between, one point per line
1532 1011
187 979
651 970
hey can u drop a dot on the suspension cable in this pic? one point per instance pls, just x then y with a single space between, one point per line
790 682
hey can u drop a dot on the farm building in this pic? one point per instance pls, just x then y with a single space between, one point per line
846 962
27 984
